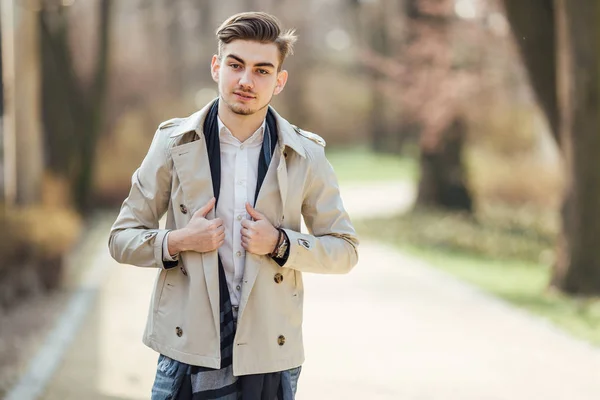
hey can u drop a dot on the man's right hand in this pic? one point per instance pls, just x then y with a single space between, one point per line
200 234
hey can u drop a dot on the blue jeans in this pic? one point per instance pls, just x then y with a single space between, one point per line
170 374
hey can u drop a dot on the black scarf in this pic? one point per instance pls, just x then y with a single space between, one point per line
211 135
252 387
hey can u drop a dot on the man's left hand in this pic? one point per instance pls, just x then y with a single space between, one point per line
258 236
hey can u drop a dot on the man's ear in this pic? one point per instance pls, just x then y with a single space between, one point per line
282 78
215 67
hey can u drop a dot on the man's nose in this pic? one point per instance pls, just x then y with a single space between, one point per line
246 79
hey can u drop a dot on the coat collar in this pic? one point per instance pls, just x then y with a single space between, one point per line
287 134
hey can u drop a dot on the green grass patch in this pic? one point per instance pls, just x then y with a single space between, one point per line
507 259
363 165
494 233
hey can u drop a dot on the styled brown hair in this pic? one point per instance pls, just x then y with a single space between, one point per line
260 27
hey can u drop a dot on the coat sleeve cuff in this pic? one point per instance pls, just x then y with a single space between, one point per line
299 243
159 241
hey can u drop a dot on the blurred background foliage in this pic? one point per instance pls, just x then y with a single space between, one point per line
489 107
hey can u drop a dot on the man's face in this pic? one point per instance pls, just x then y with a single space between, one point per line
247 75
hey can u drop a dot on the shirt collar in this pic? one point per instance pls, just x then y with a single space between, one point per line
257 136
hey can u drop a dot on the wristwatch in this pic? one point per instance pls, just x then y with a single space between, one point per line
282 248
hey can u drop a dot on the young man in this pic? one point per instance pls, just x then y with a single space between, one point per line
234 179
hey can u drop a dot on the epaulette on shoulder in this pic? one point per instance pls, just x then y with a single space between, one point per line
309 135
169 123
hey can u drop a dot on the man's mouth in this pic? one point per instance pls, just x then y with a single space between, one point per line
244 95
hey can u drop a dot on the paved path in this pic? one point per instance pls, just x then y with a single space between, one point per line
392 329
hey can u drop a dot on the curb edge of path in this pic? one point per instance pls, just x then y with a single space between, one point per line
44 364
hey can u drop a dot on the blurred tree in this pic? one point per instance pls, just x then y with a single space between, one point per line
73 110
435 85
416 68
537 42
375 26
204 44
23 145
1 74
559 42
294 94
205 23
379 41
173 12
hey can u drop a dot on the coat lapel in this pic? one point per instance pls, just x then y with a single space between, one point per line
270 203
272 196
193 170
282 181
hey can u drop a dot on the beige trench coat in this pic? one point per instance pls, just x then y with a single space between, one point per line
183 318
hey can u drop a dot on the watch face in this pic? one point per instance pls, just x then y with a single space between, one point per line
282 249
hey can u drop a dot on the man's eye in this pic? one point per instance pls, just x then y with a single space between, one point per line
234 66
263 71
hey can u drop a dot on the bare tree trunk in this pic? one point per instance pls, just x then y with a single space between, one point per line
578 266
443 180
206 23
73 116
537 43
22 127
567 43
96 112
442 174
380 43
61 98
295 88
175 46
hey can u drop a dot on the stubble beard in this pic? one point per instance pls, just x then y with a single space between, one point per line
244 110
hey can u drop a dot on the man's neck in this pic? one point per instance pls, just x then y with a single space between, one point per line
241 126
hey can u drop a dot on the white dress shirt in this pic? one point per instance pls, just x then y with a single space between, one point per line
239 175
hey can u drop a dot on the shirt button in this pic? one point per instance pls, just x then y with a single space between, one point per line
239 254
183 208
242 147
239 217
236 308
179 331
281 340
278 278
238 287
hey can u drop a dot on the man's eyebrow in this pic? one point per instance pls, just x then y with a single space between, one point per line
260 64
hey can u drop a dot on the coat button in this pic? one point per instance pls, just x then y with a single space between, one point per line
278 278
179 331
183 208
183 270
304 243
281 340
